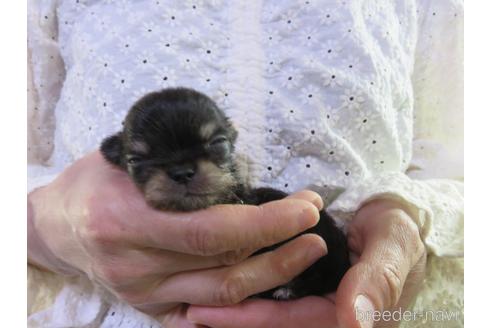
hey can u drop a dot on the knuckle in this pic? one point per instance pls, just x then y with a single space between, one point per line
282 269
117 272
401 220
97 239
277 224
97 209
102 225
232 289
393 284
284 272
98 226
96 235
200 238
110 274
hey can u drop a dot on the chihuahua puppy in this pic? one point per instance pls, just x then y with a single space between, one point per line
178 147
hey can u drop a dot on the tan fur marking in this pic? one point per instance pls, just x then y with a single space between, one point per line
207 130
211 185
219 180
157 188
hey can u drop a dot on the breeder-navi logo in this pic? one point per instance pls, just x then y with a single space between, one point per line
400 315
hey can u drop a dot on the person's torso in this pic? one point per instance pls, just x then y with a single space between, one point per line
320 91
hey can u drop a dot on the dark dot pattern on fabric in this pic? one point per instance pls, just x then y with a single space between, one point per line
335 94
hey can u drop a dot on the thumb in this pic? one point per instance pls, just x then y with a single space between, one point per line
389 247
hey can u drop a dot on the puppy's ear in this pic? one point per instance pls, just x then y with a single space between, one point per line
112 149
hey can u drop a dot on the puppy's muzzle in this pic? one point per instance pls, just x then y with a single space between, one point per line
182 174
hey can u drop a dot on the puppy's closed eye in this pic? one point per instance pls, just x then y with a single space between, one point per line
177 146
133 159
220 139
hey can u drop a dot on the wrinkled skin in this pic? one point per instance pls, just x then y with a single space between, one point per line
389 263
93 221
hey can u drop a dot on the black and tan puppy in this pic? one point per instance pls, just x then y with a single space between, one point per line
177 146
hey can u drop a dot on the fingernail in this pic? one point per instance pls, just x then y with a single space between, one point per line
318 202
364 311
309 217
316 251
193 314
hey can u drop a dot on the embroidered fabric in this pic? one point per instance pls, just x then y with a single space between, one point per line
359 96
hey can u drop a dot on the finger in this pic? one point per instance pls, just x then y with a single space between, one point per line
177 262
307 312
309 196
176 318
132 265
224 228
230 285
376 281
158 261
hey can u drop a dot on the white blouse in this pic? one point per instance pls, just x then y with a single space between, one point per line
361 98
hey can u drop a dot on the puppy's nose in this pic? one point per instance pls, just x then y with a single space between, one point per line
182 174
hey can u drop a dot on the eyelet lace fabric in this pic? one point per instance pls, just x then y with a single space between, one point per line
359 96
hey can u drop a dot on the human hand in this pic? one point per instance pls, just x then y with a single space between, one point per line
388 268
92 220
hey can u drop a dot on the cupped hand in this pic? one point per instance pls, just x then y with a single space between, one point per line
92 220
388 268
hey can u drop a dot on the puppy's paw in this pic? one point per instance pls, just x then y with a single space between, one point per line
283 294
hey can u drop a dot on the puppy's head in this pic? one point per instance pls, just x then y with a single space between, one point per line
177 146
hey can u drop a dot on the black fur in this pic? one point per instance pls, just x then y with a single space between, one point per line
168 127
